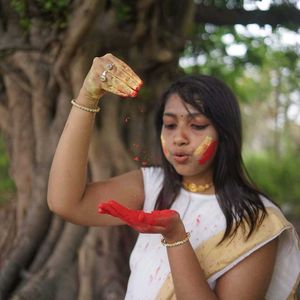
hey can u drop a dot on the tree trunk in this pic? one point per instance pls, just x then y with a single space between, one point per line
42 68
41 73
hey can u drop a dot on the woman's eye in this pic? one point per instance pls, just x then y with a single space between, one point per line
199 127
169 126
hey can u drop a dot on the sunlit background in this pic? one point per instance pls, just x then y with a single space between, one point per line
262 66
159 39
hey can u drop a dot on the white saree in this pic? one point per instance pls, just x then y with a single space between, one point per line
150 272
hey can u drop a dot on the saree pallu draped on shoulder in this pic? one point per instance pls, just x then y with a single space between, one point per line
216 260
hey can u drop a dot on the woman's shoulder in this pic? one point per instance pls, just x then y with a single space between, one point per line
153 174
152 170
267 202
238 247
153 177
275 216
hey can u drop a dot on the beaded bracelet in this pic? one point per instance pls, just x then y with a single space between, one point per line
92 110
178 243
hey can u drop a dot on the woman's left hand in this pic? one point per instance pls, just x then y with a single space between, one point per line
166 222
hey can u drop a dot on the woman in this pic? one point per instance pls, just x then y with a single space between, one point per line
221 239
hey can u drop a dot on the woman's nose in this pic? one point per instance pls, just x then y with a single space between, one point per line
180 137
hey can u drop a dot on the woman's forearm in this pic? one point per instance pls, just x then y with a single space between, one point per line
188 276
67 179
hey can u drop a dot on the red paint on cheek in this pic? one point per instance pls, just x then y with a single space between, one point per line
209 152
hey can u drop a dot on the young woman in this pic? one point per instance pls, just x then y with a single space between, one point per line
206 231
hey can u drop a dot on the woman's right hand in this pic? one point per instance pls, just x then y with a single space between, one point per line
110 74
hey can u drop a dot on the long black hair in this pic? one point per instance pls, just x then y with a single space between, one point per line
237 195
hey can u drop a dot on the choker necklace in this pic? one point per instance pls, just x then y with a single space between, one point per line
196 188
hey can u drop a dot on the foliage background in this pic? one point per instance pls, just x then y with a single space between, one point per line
46 47
264 74
274 165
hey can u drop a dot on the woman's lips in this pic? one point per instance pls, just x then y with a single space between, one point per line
180 158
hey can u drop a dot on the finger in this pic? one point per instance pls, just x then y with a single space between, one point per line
123 212
119 207
119 71
136 80
106 208
114 211
109 208
127 80
115 85
101 210
148 218
107 212
141 217
102 207
103 67
164 217
122 86
149 229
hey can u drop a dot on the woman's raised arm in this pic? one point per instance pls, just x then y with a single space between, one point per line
68 193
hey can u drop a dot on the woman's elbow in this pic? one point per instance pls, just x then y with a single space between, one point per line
57 205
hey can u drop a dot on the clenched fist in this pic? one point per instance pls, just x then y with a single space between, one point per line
110 74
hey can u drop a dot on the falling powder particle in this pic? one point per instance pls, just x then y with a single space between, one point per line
198 220
151 278
157 270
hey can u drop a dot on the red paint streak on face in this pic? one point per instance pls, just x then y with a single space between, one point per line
209 152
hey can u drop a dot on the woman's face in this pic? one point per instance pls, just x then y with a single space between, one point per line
189 140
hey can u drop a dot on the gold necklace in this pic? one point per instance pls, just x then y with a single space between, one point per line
196 188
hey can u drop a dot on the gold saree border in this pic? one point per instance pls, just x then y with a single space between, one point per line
213 258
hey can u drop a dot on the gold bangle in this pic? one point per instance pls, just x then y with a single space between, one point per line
92 110
178 243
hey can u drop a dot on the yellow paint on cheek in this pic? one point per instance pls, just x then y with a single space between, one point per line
203 146
164 147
